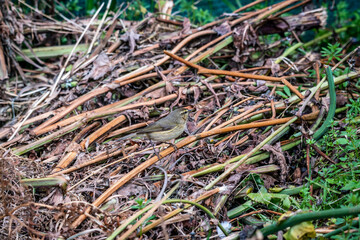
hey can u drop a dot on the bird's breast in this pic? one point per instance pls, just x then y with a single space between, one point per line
168 134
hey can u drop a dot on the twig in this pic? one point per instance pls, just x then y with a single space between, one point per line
31 110
169 150
73 50
99 27
238 74
258 147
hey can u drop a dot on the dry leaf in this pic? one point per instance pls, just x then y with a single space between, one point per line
101 66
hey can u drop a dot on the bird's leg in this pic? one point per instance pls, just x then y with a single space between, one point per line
173 145
170 143
156 153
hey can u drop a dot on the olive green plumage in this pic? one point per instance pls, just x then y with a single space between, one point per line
165 129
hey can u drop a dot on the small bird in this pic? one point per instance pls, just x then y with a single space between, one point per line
165 129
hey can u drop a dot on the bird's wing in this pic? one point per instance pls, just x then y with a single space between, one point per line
155 127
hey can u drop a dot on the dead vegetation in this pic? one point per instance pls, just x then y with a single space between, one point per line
71 88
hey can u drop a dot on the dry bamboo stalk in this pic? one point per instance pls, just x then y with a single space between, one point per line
292 88
105 89
224 124
96 159
166 152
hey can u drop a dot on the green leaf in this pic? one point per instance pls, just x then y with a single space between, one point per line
239 209
339 221
331 180
342 141
286 203
263 198
281 94
287 91
263 190
351 185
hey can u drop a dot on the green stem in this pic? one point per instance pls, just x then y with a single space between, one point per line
322 85
47 139
302 217
259 156
49 52
342 229
322 37
150 209
324 127
296 190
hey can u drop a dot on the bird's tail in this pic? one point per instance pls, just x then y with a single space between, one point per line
129 136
